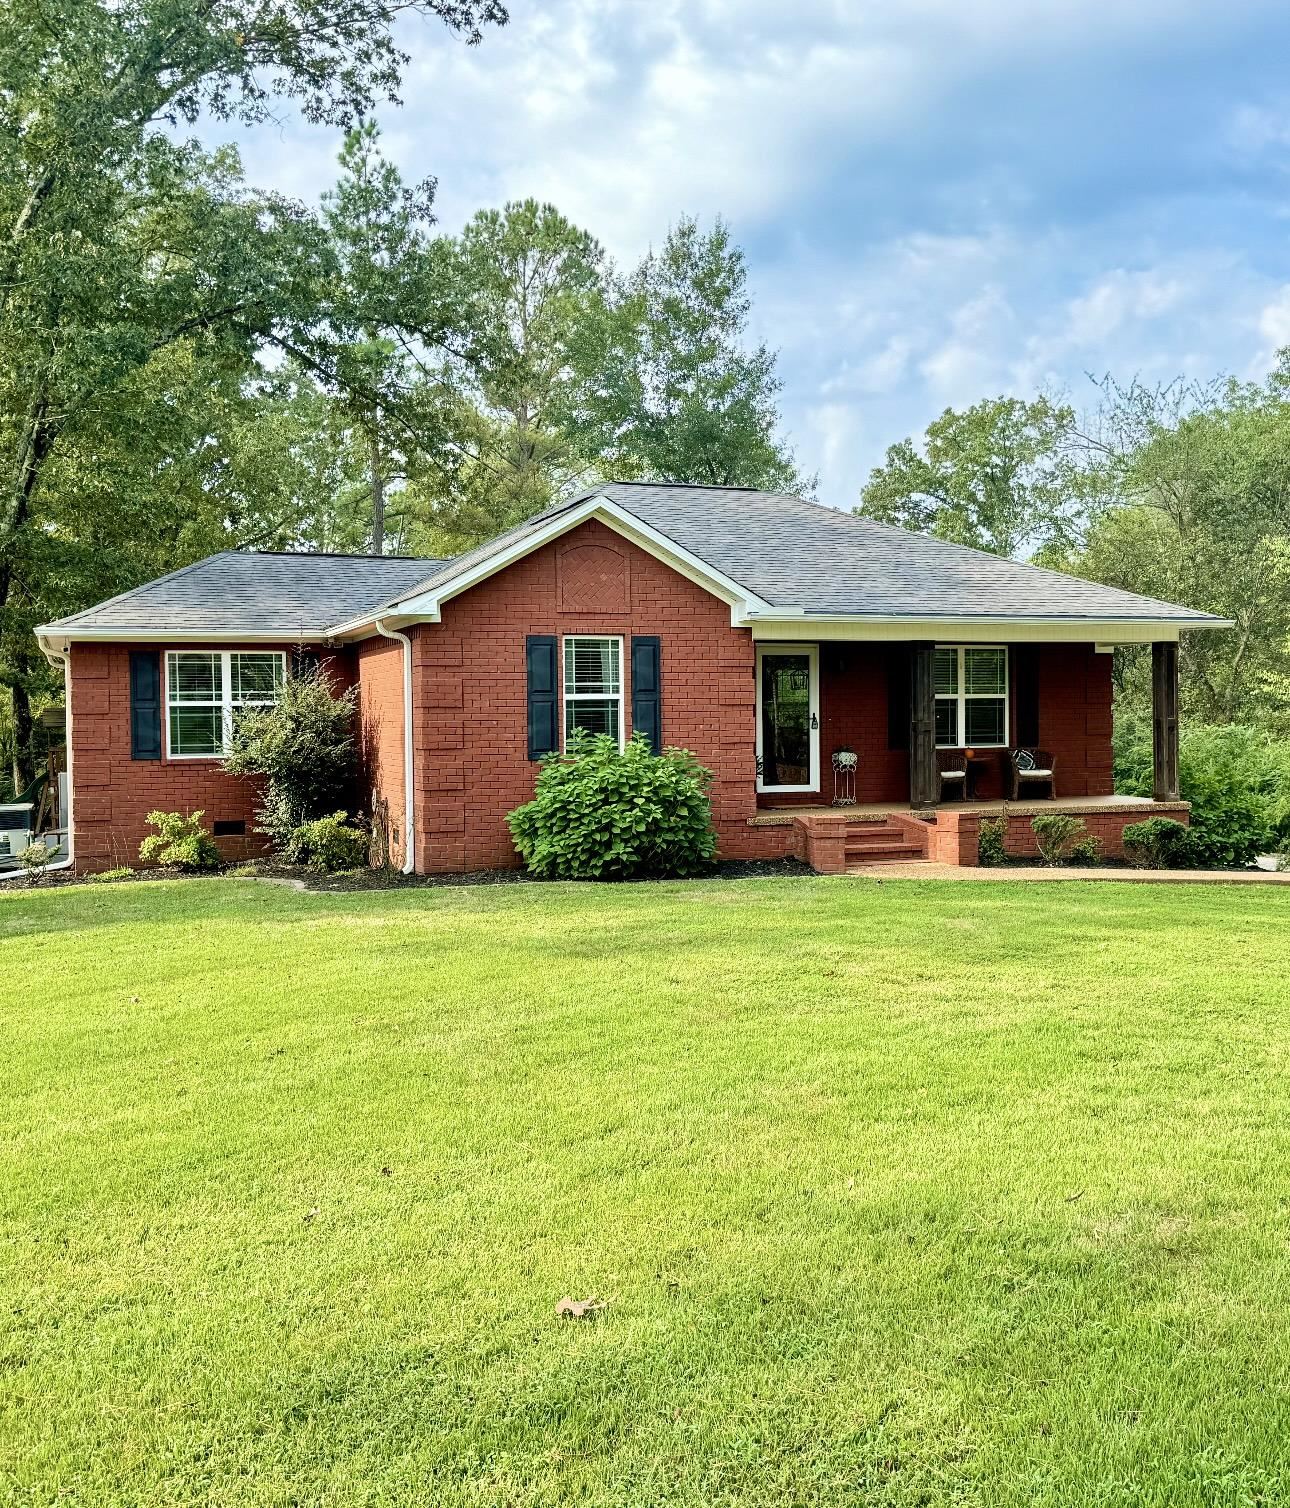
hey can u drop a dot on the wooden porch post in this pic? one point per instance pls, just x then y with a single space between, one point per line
1164 719
924 780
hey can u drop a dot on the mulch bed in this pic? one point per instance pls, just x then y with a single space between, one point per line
391 879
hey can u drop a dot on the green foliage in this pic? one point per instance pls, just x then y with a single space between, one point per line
1056 835
1086 851
180 842
1236 778
35 859
328 843
110 876
598 813
1158 843
680 395
990 849
996 476
305 747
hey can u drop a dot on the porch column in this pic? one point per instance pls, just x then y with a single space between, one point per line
1164 719
924 779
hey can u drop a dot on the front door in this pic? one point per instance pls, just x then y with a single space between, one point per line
788 717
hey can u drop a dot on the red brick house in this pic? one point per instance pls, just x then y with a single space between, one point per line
803 654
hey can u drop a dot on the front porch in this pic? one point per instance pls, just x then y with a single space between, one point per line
834 840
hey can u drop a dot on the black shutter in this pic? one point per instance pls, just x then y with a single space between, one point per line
544 732
647 700
145 704
304 661
1025 671
898 697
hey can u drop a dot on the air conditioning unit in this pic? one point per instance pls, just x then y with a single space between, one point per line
15 828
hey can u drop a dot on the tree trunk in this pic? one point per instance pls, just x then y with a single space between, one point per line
24 763
378 495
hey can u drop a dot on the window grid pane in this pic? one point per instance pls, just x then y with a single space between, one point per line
985 672
945 672
592 715
196 678
256 677
984 719
196 730
591 667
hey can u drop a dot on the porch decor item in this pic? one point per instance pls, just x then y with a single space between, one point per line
844 776
1032 767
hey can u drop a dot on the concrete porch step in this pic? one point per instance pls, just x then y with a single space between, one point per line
873 853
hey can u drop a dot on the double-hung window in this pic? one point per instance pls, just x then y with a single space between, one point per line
971 697
204 689
593 685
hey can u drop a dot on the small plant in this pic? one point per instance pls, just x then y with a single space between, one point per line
1086 851
329 844
180 842
603 813
989 846
1055 832
110 876
1157 843
35 860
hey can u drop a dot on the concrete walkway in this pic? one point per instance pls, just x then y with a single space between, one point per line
924 870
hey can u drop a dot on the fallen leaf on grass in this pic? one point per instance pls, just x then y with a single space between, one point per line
312 1215
569 1308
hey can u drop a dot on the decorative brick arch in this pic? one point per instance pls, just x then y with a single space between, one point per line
593 578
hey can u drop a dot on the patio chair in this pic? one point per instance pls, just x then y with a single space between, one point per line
951 765
1031 767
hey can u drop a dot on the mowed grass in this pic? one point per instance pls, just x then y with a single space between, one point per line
897 1193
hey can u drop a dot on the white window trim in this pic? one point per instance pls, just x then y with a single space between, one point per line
962 696
812 653
225 702
567 696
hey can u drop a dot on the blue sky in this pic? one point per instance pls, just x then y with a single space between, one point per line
940 199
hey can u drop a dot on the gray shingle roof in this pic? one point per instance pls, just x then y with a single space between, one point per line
789 552
241 591
794 553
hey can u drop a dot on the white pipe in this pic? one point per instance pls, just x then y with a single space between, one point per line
409 803
53 655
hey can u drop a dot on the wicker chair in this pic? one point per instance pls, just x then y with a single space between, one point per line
1033 767
951 765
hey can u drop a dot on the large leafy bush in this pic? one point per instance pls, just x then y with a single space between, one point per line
305 745
1056 834
1236 778
180 842
603 813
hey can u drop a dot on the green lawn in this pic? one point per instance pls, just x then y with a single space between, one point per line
901 1193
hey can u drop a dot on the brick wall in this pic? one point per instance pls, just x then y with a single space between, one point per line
954 837
112 793
470 707
379 666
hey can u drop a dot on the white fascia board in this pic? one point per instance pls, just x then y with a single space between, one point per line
51 634
975 630
426 607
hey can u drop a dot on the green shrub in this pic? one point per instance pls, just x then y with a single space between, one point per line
180 842
35 860
328 843
989 847
1055 833
600 813
110 876
305 747
1237 780
1157 843
1086 851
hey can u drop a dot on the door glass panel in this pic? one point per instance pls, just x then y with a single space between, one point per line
786 719
947 724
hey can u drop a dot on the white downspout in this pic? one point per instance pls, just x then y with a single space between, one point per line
409 802
55 656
